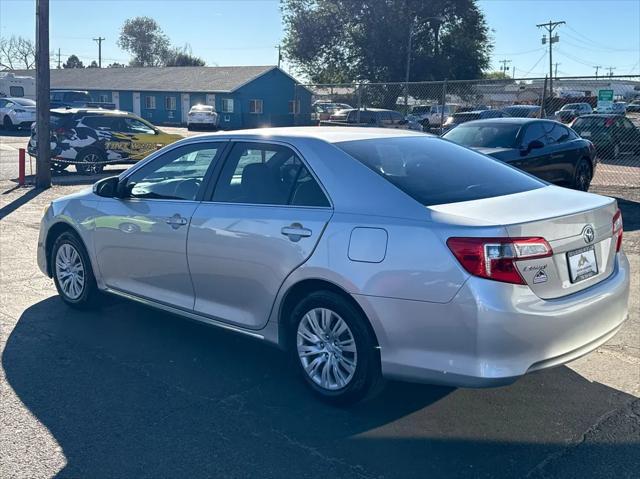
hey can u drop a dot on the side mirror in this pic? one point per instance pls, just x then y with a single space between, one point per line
534 145
107 187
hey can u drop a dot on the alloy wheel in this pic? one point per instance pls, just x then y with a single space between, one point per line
327 349
70 271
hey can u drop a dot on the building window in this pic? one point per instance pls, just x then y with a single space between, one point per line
294 107
150 102
102 98
255 106
170 103
16 91
227 105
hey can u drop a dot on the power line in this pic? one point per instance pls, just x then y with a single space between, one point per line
611 70
589 40
535 65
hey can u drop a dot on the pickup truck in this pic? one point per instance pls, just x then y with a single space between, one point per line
76 99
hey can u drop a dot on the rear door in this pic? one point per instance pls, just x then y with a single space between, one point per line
263 220
628 135
536 160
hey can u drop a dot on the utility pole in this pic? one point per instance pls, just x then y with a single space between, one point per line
597 67
43 168
611 70
279 47
59 59
550 27
556 69
504 68
99 40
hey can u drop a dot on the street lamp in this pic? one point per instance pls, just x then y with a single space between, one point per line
439 19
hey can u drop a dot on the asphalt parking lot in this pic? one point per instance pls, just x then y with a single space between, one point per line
133 392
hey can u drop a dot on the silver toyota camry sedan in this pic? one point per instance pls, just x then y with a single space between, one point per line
366 253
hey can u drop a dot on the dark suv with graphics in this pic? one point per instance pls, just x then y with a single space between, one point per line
90 139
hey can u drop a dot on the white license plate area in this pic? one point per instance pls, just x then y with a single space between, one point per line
582 264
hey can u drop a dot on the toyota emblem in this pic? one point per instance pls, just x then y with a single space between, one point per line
588 234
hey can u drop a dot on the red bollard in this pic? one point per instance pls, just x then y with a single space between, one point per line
21 167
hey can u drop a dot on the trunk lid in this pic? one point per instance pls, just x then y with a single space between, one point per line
577 225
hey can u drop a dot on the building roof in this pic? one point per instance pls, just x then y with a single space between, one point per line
182 79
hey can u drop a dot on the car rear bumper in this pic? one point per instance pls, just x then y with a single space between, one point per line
492 333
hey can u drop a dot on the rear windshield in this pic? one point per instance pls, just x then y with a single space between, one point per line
592 122
485 135
202 108
433 171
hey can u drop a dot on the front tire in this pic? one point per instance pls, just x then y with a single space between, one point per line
72 272
8 124
89 162
334 349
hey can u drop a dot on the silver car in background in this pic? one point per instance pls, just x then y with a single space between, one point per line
366 253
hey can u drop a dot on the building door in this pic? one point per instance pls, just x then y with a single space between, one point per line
186 106
211 100
136 103
115 99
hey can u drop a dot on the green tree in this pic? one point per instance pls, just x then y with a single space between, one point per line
496 75
368 40
116 65
93 64
73 62
182 57
145 40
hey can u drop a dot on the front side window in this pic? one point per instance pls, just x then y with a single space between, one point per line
170 103
16 91
256 173
176 175
433 171
255 106
227 105
534 132
150 102
100 122
133 125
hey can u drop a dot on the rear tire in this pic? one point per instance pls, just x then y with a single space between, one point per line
72 273
89 162
7 124
334 349
583 176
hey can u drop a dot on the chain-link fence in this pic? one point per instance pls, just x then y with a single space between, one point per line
604 110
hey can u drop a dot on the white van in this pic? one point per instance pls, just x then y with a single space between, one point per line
14 86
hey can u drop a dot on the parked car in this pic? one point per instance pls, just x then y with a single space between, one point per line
203 116
92 138
570 111
433 116
76 99
617 108
462 117
17 113
611 134
322 110
633 107
372 117
522 111
544 148
431 263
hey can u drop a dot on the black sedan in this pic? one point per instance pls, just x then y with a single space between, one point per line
544 148
612 134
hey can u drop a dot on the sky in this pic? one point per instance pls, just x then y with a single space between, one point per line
597 32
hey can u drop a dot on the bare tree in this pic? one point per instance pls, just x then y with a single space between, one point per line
17 53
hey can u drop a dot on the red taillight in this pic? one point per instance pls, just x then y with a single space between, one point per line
617 229
494 258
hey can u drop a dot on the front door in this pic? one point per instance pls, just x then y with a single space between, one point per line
136 103
141 239
115 99
535 160
185 99
266 216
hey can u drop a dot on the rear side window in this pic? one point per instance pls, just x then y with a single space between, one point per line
104 122
434 171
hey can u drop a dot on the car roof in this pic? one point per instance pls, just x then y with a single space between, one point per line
602 115
93 111
329 134
508 121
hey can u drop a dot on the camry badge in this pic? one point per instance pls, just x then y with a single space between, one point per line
588 234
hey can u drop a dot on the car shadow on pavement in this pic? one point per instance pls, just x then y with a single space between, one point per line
128 391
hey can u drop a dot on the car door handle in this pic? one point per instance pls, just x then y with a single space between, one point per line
296 231
176 221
